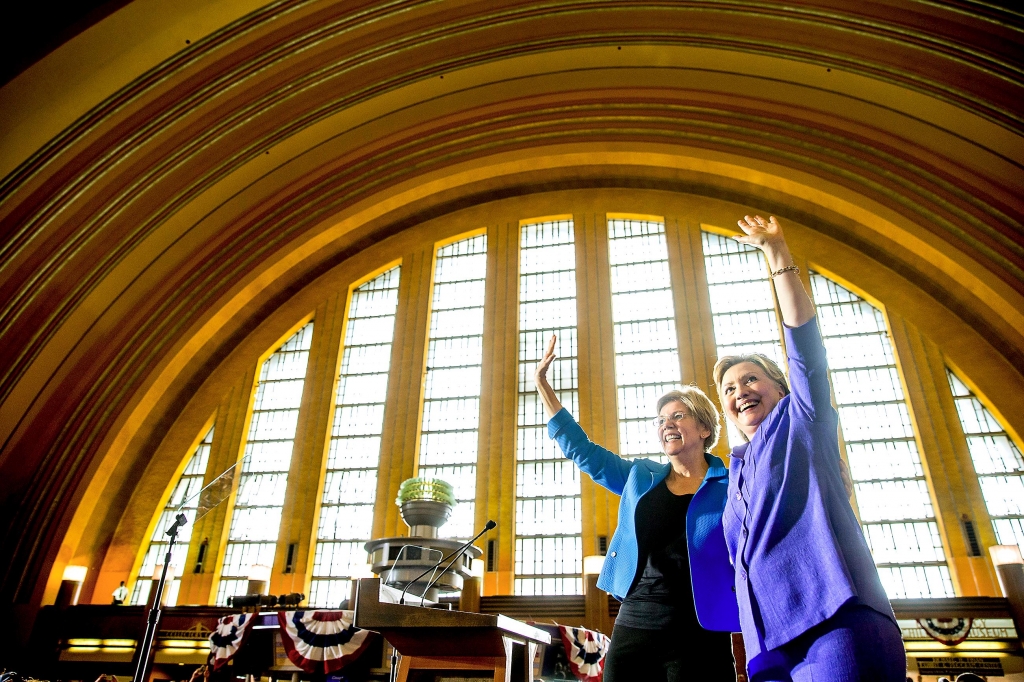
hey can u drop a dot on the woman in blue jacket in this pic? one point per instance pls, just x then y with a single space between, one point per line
667 562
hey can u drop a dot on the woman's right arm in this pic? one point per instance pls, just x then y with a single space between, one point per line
540 377
604 466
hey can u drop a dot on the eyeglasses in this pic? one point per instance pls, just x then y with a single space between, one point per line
675 418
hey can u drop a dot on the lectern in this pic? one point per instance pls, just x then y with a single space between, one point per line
435 642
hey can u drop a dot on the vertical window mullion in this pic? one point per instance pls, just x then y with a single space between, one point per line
350 480
549 545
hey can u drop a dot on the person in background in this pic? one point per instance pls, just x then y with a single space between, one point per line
811 604
667 561
120 594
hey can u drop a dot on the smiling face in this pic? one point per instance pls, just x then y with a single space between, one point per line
681 437
748 396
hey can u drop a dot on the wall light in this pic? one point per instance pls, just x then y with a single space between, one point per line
76 573
259 572
1004 555
593 564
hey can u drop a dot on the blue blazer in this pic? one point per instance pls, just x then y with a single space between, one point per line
711 572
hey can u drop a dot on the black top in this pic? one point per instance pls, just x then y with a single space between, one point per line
661 595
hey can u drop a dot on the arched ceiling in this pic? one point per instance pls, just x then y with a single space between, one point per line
176 171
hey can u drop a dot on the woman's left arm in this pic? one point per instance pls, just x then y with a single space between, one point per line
794 303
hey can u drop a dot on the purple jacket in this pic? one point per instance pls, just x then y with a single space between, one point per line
798 550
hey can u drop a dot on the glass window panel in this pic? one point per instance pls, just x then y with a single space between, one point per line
548 517
1009 531
259 497
994 454
183 496
893 543
895 505
451 392
881 460
643 315
916 581
350 480
997 461
742 303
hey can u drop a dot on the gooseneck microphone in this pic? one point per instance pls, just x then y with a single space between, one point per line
454 556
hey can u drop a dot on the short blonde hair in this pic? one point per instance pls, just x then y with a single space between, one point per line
768 365
700 406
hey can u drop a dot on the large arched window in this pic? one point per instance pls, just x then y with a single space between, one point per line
263 479
350 480
185 496
451 390
885 462
549 516
643 316
998 461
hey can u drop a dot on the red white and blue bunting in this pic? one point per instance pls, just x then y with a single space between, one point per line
949 631
229 637
585 650
322 641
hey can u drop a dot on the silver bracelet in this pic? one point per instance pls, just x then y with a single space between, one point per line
789 268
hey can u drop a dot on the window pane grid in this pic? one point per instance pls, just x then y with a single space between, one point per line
742 304
256 520
643 318
997 461
895 505
350 480
549 546
451 393
189 483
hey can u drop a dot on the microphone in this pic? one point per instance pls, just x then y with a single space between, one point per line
453 556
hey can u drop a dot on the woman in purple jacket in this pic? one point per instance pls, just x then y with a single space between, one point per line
811 604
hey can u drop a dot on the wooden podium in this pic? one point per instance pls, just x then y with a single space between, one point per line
450 643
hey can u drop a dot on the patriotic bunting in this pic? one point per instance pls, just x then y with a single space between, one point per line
228 638
949 631
322 641
585 650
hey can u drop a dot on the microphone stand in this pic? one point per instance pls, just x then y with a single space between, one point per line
459 551
143 663
451 563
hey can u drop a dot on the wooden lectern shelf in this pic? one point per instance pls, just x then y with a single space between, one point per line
437 640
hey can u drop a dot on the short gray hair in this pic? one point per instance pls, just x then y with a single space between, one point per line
700 406
768 365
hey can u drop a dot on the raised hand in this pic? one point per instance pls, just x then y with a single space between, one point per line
760 232
794 303
541 374
540 379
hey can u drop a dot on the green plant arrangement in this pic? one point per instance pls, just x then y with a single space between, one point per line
433 489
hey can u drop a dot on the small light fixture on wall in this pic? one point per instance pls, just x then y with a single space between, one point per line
259 578
1010 570
593 564
70 585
